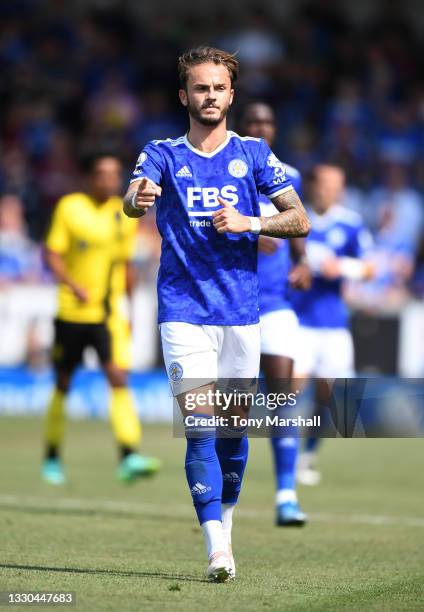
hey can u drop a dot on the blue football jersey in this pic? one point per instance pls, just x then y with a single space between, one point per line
207 278
273 269
338 233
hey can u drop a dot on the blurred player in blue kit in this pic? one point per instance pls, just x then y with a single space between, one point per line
279 325
206 185
336 251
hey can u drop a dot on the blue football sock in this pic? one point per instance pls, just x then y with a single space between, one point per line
232 454
285 451
311 444
203 472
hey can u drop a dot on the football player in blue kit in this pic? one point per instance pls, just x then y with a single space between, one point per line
206 185
281 263
336 250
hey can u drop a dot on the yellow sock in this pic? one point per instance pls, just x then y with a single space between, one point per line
125 422
55 419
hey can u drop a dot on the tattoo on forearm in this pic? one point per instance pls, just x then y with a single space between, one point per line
292 220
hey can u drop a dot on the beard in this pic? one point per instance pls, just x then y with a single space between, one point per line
195 113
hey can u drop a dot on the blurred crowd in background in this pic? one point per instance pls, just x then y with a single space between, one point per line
85 76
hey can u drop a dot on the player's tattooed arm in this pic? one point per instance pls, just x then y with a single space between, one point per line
141 195
292 220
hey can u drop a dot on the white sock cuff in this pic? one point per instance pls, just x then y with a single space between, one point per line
227 520
214 537
285 495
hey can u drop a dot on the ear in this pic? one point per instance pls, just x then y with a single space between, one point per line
183 97
231 96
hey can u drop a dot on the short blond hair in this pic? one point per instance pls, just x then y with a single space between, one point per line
203 55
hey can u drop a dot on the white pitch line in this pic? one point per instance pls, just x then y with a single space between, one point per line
108 505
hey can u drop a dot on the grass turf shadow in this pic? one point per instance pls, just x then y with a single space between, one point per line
106 572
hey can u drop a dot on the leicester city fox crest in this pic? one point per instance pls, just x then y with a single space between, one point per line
175 371
238 168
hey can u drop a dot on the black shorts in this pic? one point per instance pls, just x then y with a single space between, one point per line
72 338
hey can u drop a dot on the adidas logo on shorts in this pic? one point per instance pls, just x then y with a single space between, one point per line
199 489
184 172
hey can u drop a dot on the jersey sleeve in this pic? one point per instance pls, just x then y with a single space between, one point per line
58 236
271 174
150 164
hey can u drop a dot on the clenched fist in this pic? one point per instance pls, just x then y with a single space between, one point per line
136 203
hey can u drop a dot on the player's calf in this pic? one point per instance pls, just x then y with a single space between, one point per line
204 479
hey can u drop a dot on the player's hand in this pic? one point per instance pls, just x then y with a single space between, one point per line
146 194
268 245
330 268
80 293
300 276
228 220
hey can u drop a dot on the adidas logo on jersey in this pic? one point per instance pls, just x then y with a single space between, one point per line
184 172
231 477
199 489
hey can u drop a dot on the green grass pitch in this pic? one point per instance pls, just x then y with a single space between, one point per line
139 548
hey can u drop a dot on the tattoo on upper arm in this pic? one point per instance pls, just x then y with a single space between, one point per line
292 220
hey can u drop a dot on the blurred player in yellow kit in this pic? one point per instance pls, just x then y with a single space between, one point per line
89 248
